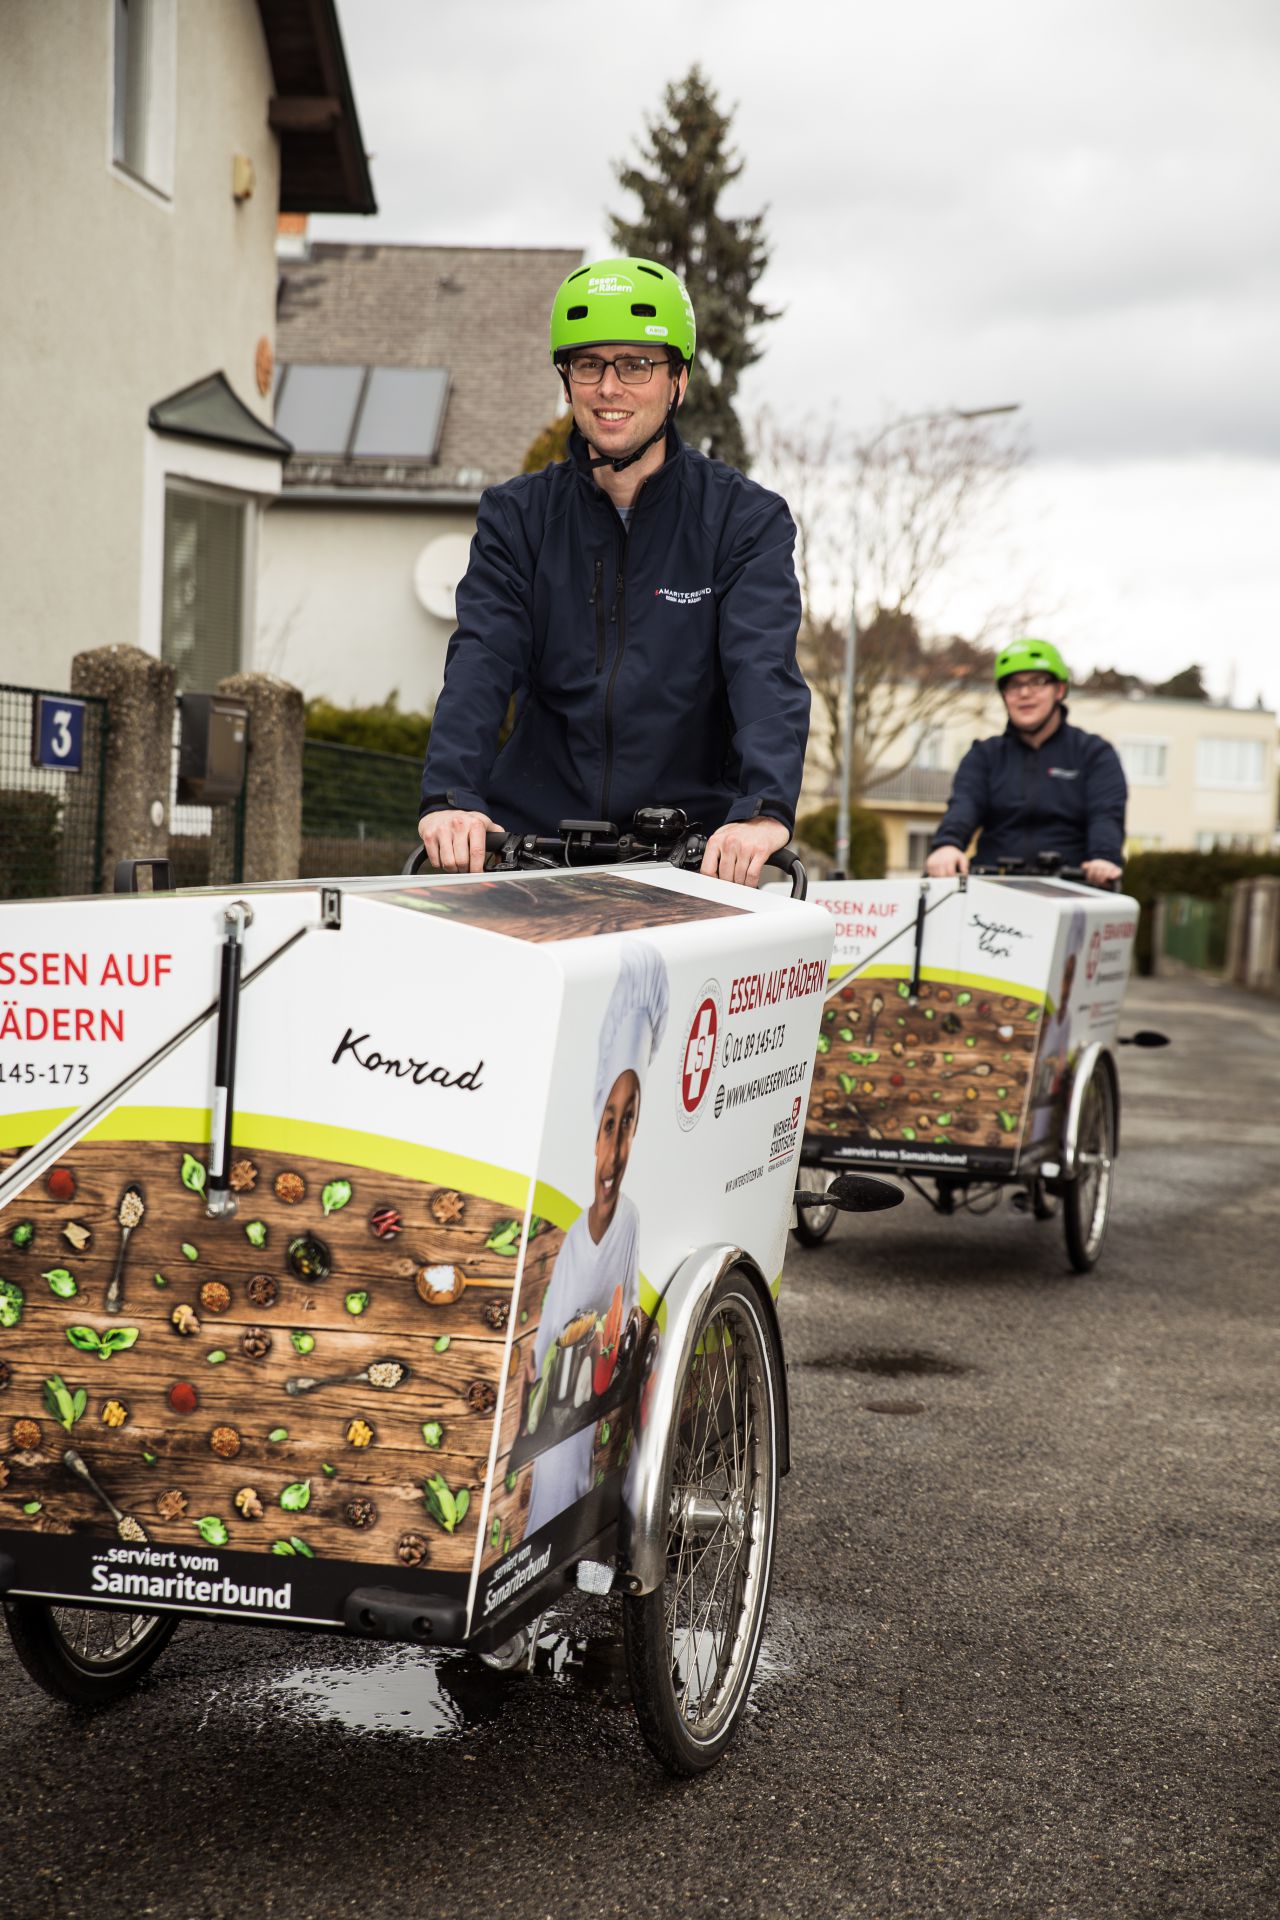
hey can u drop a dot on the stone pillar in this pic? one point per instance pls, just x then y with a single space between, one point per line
273 779
139 693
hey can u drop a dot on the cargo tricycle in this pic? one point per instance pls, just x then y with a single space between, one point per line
388 1255
968 1040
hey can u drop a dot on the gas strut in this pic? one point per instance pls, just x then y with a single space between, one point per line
922 907
219 1198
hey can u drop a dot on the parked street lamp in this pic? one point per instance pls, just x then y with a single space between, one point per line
851 637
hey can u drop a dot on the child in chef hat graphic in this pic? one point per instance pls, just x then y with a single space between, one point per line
597 1271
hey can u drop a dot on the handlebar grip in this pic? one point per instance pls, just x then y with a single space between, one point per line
787 860
495 841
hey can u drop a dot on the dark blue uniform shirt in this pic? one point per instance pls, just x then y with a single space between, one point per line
653 663
1065 797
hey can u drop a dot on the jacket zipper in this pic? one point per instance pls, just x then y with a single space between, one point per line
620 612
597 601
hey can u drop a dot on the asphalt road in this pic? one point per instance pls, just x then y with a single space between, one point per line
1022 1657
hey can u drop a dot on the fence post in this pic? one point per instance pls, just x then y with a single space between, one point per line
273 781
138 690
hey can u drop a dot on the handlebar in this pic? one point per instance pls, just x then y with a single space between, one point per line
1043 869
583 843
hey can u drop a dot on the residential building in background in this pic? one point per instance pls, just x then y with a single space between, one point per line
147 148
1200 776
409 379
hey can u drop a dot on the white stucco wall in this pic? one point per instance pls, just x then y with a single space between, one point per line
337 613
113 298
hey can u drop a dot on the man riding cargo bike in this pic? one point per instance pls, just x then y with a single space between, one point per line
640 602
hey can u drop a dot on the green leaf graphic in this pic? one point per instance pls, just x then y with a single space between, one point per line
335 1194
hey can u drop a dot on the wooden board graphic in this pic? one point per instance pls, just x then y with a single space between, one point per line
248 1303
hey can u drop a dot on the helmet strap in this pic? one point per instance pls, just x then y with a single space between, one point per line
619 466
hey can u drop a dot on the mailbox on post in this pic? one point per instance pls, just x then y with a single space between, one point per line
212 749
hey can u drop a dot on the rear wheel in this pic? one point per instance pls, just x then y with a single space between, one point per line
87 1656
813 1224
692 1645
1086 1200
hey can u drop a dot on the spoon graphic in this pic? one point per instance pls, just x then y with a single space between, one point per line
396 1376
126 1526
129 1214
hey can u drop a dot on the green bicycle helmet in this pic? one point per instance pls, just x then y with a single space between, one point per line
1031 656
638 302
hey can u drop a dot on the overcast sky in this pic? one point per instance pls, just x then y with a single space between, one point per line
1071 206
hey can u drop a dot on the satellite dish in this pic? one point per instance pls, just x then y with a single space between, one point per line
437 571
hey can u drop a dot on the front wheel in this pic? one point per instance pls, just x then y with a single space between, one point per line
1086 1200
87 1656
813 1224
692 1644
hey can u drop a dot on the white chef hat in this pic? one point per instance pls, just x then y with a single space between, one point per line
635 1018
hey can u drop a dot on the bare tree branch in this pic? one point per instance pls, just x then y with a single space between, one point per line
879 525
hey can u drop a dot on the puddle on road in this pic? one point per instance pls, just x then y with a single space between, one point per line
398 1691
433 1695
887 1362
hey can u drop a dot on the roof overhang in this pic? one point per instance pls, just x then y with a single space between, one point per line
210 410
323 165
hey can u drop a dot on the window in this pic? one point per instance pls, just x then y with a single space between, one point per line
143 91
1145 762
919 842
930 750
1227 842
1231 763
202 624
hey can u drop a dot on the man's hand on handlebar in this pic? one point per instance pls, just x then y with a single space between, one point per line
740 850
454 840
1100 873
944 862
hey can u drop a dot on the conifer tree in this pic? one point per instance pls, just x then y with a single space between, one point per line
679 178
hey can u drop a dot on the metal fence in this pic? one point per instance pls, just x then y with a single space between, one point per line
206 844
50 818
359 809
1195 931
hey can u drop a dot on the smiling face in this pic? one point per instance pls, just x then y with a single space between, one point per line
1030 699
616 420
613 1149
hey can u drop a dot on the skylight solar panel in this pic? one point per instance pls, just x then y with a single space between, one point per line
402 414
316 407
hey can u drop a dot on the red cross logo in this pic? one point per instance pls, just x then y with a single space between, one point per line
699 1056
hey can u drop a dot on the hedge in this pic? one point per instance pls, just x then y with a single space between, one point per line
868 852
1206 876
379 729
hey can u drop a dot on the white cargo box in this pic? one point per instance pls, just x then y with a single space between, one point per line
954 1011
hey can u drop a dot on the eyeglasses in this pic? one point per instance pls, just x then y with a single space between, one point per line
1025 682
634 370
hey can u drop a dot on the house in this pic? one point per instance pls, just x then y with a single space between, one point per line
147 148
410 378
1200 775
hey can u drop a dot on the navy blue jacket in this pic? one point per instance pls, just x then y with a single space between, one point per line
653 664
1066 797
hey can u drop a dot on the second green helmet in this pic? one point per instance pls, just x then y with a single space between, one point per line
1031 656
638 302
